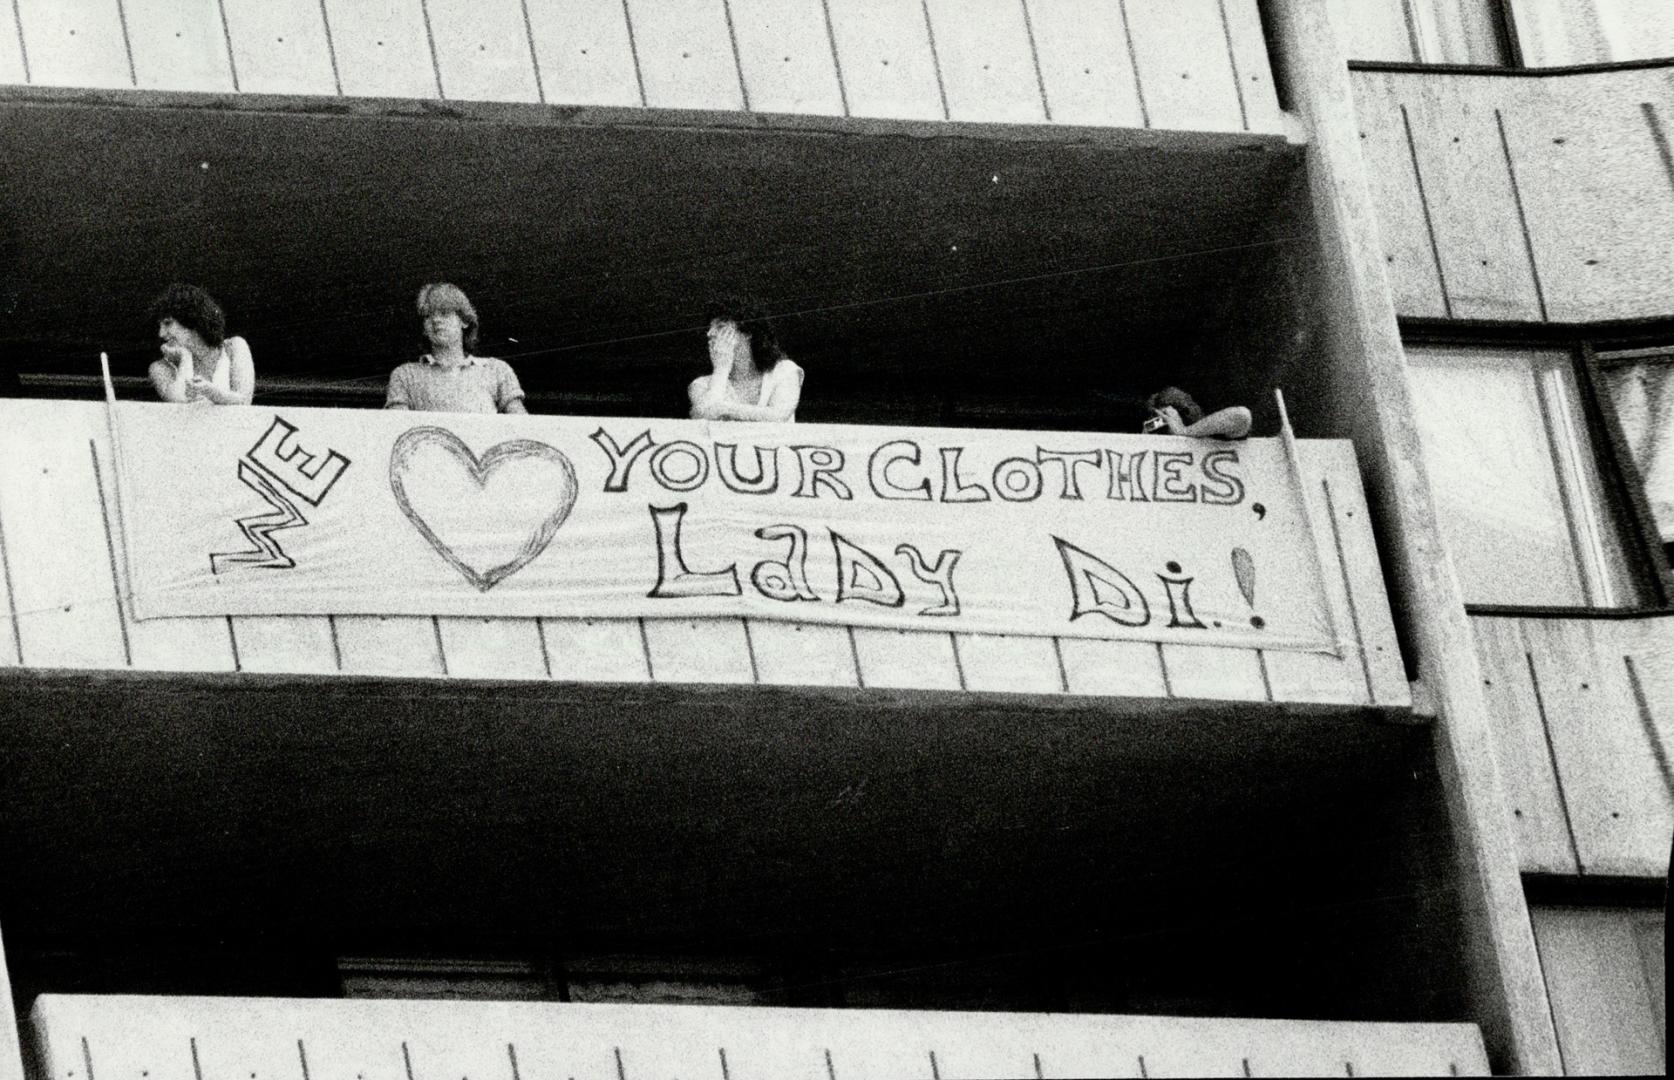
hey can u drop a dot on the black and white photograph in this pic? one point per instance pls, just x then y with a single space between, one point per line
835 539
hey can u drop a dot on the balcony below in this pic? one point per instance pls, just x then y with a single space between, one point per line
170 1036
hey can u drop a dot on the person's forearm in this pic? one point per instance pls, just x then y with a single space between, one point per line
170 389
711 404
1233 423
734 410
226 397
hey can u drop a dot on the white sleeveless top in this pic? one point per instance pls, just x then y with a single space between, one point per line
220 375
781 370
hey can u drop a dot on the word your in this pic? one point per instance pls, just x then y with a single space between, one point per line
279 470
902 470
861 575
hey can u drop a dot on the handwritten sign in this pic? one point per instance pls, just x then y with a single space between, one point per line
258 511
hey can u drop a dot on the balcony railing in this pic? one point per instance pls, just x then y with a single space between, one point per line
234 1036
65 564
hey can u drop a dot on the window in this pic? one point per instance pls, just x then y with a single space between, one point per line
1505 33
1521 502
1606 978
1633 30
1424 31
1640 385
1560 33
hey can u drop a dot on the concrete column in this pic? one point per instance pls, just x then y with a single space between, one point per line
1366 393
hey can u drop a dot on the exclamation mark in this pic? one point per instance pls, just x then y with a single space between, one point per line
1243 569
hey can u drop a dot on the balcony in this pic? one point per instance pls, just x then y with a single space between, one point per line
64 574
204 798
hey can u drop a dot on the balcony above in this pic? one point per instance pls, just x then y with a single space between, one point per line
1171 64
65 568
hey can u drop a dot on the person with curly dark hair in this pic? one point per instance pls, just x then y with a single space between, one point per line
1174 412
750 376
451 377
199 362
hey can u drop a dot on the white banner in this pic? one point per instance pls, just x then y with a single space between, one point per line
257 511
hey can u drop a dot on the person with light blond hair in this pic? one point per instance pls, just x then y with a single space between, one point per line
451 377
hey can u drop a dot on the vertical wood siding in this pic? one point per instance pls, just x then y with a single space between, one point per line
280 47
1185 68
785 56
178 45
1583 713
63 572
75 43
888 64
1534 199
483 50
1085 63
584 52
987 60
12 68
1184 64
686 58
382 49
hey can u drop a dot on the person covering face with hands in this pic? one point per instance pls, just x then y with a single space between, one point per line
199 362
750 376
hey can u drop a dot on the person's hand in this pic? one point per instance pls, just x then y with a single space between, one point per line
176 354
1171 417
723 345
198 387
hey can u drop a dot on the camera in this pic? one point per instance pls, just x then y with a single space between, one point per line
1154 424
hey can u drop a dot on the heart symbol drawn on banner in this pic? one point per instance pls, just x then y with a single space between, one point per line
489 517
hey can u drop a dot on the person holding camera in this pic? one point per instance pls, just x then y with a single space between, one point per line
1173 412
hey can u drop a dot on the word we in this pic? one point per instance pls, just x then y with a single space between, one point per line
279 470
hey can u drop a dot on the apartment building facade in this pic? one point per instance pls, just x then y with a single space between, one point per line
411 842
